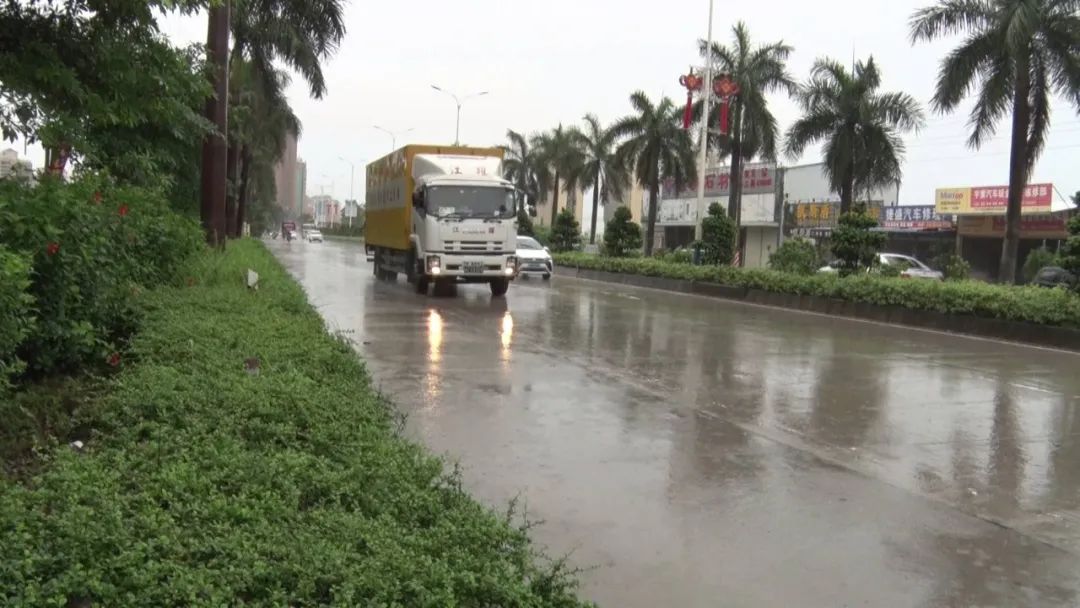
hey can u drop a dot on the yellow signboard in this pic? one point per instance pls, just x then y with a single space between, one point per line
952 201
992 200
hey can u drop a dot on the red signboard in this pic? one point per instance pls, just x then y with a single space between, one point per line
757 179
1037 197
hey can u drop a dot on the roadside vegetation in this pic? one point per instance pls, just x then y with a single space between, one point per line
1014 57
240 454
1015 303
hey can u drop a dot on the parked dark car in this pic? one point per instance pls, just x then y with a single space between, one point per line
1054 276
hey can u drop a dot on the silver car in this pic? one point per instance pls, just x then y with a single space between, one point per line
910 267
533 257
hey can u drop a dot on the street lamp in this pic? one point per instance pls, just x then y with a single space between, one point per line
704 130
393 135
459 101
352 181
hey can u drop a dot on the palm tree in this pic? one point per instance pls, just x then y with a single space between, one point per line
558 151
758 70
299 34
859 126
524 167
261 121
658 149
599 166
1020 52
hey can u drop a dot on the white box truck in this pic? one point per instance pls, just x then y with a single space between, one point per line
442 214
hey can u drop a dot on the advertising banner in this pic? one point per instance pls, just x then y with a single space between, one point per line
915 217
1035 226
991 200
757 178
817 219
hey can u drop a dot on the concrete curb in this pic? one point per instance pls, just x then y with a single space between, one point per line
997 329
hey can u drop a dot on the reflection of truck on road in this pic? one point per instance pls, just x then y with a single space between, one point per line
442 214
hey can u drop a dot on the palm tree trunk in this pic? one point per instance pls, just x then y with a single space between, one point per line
735 188
231 168
847 188
654 203
735 193
242 193
555 201
213 174
1018 174
595 208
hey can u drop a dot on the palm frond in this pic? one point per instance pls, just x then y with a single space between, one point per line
950 17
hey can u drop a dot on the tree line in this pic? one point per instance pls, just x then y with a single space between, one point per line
1015 54
103 91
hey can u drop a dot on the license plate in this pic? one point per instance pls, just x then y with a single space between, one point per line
473 267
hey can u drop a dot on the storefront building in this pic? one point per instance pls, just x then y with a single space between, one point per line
980 214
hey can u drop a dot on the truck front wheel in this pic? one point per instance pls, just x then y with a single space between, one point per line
499 287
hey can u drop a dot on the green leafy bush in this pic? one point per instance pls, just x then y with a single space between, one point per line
797 256
1038 259
93 248
1070 251
542 234
203 485
566 233
1015 303
675 256
855 244
717 237
16 318
524 223
622 236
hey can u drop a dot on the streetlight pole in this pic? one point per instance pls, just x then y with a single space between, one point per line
352 182
702 153
459 101
393 135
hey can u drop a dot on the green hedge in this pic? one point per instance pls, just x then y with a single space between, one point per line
1031 304
16 319
93 248
204 485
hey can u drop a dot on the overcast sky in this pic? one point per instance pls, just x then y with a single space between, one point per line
550 62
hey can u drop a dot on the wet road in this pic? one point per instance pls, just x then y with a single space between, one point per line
693 452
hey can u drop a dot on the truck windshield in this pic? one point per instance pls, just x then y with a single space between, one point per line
470 201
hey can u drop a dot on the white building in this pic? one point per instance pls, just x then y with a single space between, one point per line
766 188
13 166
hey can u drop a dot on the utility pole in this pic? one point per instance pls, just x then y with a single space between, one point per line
213 175
703 151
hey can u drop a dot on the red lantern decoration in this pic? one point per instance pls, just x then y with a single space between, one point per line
725 89
692 83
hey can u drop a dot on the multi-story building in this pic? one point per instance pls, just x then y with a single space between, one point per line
324 209
301 187
13 166
765 190
286 173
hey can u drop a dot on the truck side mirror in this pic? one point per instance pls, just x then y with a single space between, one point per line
418 199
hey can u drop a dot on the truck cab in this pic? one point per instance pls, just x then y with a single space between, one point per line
463 221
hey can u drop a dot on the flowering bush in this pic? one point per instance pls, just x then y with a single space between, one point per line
90 245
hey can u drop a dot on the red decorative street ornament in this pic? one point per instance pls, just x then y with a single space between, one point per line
725 89
693 83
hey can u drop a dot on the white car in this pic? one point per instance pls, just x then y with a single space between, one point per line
533 257
314 236
910 267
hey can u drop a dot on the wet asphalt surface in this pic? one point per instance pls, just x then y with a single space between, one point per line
694 452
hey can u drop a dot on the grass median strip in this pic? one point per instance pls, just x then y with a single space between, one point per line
242 457
1055 307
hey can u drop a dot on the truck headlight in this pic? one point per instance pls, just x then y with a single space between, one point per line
511 265
434 264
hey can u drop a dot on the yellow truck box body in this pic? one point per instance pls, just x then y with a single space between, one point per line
389 192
